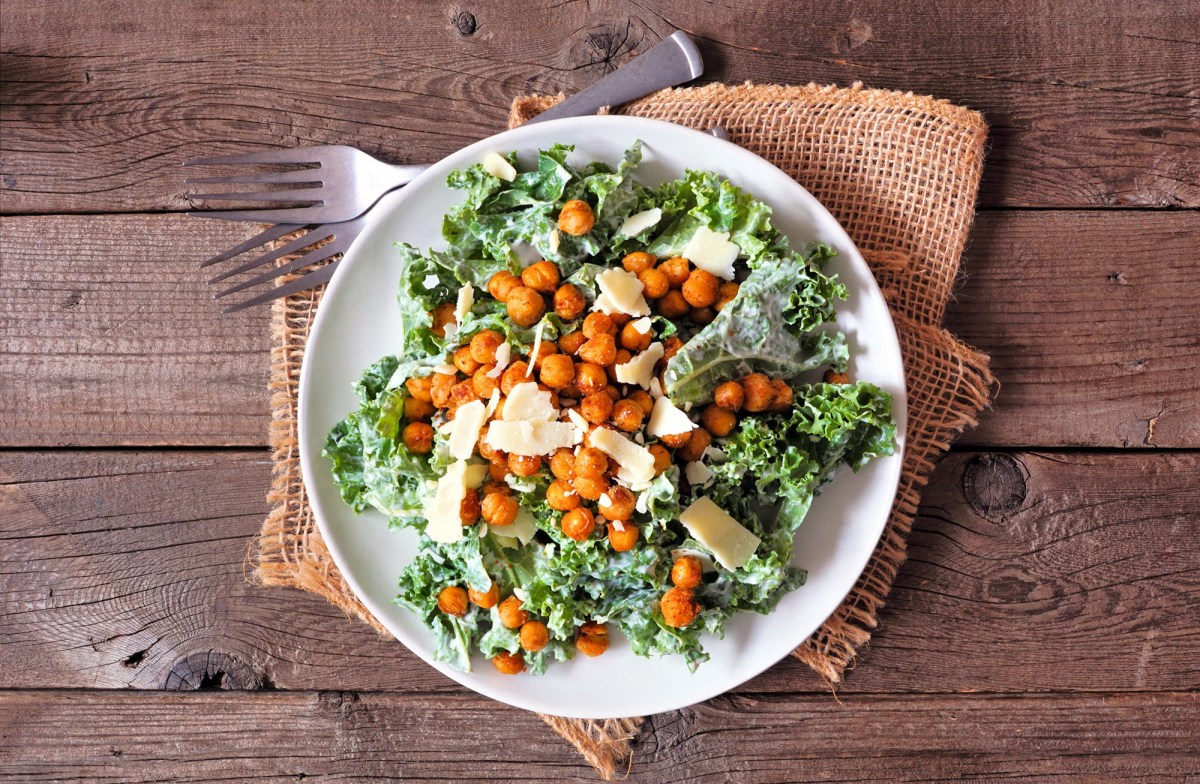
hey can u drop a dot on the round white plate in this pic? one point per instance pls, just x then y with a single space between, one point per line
358 323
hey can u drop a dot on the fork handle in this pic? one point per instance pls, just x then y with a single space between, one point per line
402 174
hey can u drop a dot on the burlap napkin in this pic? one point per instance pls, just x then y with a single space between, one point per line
900 172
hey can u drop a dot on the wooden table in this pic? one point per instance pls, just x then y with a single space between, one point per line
1046 625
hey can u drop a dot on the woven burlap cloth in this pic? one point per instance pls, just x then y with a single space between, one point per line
900 172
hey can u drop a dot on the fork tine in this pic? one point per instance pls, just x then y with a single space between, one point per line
301 242
285 215
262 238
338 245
296 155
288 175
314 278
299 194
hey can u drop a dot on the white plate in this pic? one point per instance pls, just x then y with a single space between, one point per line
358 322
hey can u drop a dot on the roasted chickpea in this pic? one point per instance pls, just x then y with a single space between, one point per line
672 305
569 303
677 271
570 342
702 316
725 294
598 324
417 410
509 663
486 450
464 361
591 462
783 395
557 371
590 487
643 399
496 487
499 509
729 396
525 306
545 349
592 639
541 276
634 339
512 616
623 356
484 384
461 394
679 607
420 388
562 464
442 315
628 415
485 600
418 437
600 350
468 508
596 408
662 458
700 288
484 344
687 571
452 600
834 377
516 373
639 261
655 283
576 218
534 636
758 392
623 539
524 465
718 421
561 495
498 469
671 347
617 503
501 283
578 523
676 440
693 450
590 378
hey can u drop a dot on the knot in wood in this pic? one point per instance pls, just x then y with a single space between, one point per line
606 46
464 22
212 670
994 486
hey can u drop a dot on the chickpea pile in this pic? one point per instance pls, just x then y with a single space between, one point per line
579 372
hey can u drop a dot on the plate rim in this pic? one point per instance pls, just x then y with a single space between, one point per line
498 141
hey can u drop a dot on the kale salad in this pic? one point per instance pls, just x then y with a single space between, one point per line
613 407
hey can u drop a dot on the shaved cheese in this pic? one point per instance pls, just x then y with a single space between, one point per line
445 369
643 325
617 524
537 346
493 403
442 509
503 357
637 462
712 251
697 474
620 292
522 528
640 221
466 298
526 402
640 369
667 420
730 542
582 426
605 499
656 389
714 454
464 429
475 475
531 438
554 240
495 165
431 281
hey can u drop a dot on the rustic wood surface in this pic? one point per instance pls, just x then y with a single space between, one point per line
1045 626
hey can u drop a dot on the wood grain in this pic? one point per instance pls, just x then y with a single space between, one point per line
1095 108
1027 572
209 736
109 335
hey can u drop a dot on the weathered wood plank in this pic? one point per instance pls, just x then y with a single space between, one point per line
1092 108
1027 572
153 737
109 335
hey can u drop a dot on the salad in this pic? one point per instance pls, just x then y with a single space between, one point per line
607 412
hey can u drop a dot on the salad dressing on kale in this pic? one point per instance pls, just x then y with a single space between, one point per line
657 497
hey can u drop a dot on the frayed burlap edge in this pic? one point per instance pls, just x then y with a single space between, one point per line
948 382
